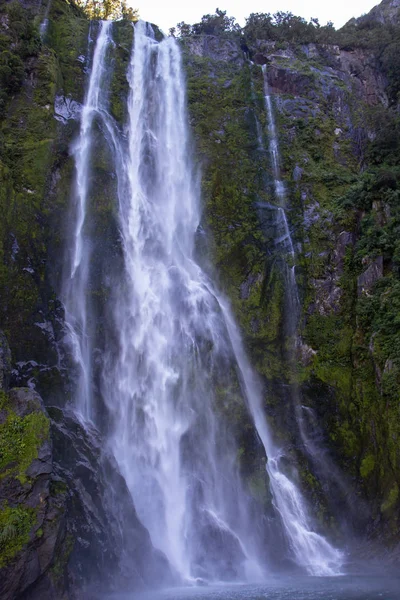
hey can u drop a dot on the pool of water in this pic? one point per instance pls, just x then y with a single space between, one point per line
284 588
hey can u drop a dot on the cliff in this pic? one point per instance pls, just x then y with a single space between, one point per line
331 375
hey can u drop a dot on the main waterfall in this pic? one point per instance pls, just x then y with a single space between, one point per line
174 366
176 453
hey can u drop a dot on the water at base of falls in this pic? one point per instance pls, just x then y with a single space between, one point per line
356 587
175 377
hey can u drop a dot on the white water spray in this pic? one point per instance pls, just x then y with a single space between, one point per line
175 366
76 282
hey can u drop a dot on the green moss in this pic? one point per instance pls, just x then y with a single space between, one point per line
67 37
15 528
58 488
367 466
391 499
20 440
123 38
57 570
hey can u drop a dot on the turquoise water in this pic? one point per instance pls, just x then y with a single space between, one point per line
284 588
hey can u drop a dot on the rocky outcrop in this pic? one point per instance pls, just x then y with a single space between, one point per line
386 13
322 68
366 280
67 520
215 48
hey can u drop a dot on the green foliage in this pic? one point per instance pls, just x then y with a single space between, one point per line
22 31
108 9
20 440
285 26
367 466
391 499
15 526
19 39
216 24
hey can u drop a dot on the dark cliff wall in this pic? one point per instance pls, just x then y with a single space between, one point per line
337 118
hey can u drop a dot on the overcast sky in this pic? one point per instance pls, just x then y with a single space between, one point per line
166 13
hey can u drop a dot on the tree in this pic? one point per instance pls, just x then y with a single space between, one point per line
216 24
184 29
108 9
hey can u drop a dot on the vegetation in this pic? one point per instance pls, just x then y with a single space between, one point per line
20 440
216 24
16 524
108 9
18 41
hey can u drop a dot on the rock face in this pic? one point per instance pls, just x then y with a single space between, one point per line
336 112
68 523
5 362
215 48
386 13
67 520
367 280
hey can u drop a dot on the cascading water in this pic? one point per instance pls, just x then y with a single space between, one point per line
175 367
310 549
167 384
76 281
45 22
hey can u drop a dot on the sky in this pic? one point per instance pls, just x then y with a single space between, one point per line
166 14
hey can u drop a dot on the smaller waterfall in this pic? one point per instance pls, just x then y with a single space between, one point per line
45 23
76 284
310 549
273 140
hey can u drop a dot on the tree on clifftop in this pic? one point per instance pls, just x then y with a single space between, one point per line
108 9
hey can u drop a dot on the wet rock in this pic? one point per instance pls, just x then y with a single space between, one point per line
327 294
260 59
72 498
100 512
66 108
345 239
219 553
305 354
297 173
367 280
5 362
311 214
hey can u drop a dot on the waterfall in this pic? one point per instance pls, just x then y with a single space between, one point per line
174 371
310 549
76 281
45 22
